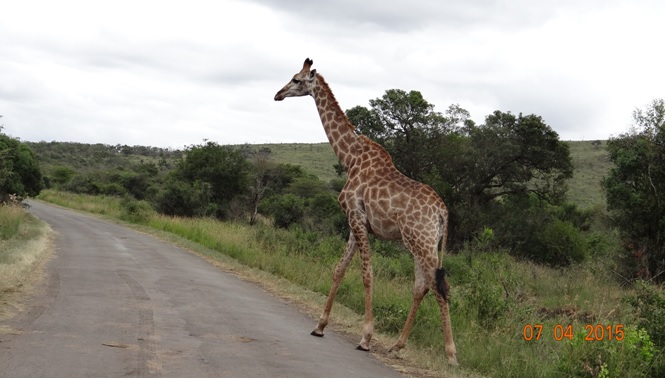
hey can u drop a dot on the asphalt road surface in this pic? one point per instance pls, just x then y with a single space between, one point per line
117 303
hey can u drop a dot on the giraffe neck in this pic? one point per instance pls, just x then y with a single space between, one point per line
338 128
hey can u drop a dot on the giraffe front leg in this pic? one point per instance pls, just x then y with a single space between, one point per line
338 275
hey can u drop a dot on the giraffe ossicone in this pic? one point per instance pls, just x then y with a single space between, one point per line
379 199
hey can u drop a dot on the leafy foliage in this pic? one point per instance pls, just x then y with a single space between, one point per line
224 169
635 188
485 173
20 172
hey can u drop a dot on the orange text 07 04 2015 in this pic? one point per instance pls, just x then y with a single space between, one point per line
598 332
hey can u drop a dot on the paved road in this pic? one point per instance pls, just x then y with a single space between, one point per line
121 303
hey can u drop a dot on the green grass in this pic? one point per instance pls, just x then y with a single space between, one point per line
11 219
23 243
494 297
316 158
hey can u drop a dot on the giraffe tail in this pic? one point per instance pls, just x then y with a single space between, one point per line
442 286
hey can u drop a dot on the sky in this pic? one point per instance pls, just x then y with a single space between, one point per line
175 73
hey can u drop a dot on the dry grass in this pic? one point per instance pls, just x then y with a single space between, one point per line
22 258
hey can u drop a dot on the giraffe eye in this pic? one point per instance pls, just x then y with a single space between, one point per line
295 81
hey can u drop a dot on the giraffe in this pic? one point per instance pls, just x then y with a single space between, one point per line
379 199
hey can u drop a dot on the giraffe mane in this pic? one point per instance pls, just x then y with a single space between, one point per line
380 150
325 87
373 145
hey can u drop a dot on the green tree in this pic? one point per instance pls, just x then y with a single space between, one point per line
474 168
222 167
180 198
405 124
19 169
635 188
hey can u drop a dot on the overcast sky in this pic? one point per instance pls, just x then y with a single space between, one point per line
173 73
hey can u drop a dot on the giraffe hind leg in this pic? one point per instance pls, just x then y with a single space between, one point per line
420 289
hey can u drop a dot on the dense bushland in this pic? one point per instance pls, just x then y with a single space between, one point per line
20 173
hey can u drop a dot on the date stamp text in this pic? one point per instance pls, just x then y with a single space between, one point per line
598 332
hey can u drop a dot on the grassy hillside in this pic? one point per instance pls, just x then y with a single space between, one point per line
83 157
591 165
315 158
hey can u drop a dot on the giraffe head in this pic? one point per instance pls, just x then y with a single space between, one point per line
301 84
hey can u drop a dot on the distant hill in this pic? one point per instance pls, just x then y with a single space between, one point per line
591 164
85 157
315 158
589 158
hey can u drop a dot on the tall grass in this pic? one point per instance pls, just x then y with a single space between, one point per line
23 242
494 298
11 218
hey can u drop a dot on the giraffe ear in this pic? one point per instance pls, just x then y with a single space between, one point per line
312 74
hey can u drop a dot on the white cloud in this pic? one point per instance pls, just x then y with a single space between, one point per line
171 73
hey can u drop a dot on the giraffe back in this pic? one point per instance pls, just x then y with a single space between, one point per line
391 202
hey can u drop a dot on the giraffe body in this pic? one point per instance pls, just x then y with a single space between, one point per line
379 199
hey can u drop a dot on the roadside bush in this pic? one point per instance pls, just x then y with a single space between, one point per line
136 211
179 198
285 210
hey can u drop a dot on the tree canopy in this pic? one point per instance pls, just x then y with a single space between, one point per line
20 173
635 188
475 168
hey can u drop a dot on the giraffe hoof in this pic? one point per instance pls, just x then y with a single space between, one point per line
316 333
361 348
395 348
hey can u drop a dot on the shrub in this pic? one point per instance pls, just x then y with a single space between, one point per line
179 198
649 304
285 210
559 243
113 189
631 357
136 211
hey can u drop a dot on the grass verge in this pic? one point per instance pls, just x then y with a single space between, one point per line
24 247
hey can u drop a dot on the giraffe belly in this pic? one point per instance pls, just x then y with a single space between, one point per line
383 225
